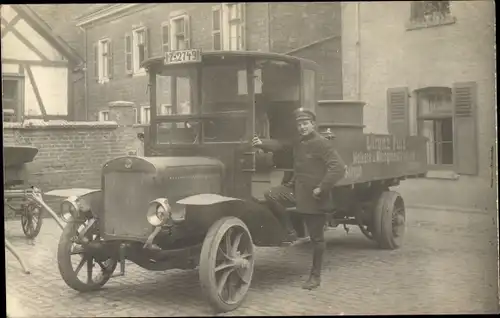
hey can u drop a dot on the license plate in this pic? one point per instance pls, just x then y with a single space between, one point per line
184 56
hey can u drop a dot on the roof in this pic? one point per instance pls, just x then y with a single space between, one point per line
39 25
103 11
243 54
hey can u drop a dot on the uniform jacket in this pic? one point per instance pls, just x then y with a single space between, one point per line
317 164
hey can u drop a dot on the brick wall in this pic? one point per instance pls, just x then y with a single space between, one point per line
294 25
327 54
72 154
317 21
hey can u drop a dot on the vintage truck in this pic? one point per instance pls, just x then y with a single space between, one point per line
196 198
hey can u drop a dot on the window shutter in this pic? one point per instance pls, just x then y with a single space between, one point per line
165 38
187 31
216 28
128 54
95 61
465 130
398 111
110 59
147 50
242 26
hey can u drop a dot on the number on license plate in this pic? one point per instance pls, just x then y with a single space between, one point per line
183 56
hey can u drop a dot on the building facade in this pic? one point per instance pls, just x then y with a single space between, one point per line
119 37
429 70
41 74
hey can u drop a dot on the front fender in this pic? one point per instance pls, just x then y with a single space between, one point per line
206 199
92 197
207 208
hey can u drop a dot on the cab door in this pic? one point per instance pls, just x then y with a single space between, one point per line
245 156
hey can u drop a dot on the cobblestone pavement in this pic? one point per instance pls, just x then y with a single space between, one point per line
447 265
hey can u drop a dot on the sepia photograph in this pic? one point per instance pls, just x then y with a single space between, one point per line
250 158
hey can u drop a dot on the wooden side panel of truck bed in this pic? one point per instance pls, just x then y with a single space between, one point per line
379 157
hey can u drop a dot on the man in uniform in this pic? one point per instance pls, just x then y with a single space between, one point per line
317 168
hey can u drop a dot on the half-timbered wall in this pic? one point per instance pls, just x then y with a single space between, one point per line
40 69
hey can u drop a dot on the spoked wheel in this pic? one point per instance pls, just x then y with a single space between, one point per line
31 220
79 269
390 220
362 218
226 264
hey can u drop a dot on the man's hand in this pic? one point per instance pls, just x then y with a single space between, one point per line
256 141
316 193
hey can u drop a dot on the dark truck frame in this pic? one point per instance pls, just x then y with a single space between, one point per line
195 199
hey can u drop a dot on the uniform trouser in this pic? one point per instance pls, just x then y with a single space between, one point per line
280 198
315 226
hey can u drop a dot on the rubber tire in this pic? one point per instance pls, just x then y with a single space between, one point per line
64 262
383 220
38 226
206 259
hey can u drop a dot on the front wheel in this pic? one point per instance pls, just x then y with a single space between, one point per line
226 264
70 246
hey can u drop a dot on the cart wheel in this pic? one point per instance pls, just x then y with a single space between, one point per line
389 220
31 220
226 263
68 248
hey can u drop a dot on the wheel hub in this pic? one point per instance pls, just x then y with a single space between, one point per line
240 262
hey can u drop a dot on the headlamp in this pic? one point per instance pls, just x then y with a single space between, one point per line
69 208
158 212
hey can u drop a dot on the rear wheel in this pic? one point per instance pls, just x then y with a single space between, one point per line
390 220
71 251
226 264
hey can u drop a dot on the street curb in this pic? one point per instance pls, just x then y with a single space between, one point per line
446 208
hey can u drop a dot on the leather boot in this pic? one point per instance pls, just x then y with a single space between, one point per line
314 280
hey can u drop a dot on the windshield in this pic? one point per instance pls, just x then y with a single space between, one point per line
174 93
219 93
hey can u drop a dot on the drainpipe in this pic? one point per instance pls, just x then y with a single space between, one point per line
269 27
358 50
85 73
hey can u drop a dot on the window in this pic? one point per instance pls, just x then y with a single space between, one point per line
165 37
140 48
429 13
234 28
145 115
435 121
447 117
12 98
103 61
103 115
216 29
174 92
180 33
129 68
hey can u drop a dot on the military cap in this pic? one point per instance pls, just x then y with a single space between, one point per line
304 114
